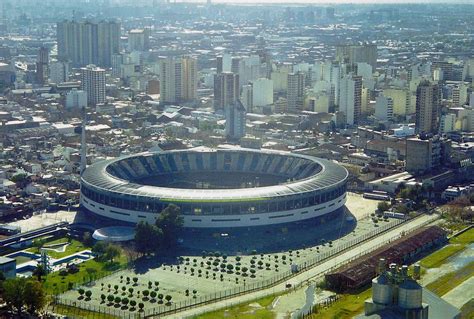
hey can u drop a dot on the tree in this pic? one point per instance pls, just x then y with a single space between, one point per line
99 249
147 238
402 209
22 292
160 297
39 272
13 293
133 303
153 295
117 300
110 298
35 296
141 305
467 214
168 299
87 239
91 272
81 292
103 297
111 252
88 294
170 222
382 207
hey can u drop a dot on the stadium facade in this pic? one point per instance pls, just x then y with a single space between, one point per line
215 188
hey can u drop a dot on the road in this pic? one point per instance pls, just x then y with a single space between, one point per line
314 272
309 292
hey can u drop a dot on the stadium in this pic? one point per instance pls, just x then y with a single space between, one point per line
215 188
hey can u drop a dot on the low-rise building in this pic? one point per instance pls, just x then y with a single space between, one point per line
8 267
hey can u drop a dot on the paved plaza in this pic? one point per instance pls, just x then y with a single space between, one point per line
43 218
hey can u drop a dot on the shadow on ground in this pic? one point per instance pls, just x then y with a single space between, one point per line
243 240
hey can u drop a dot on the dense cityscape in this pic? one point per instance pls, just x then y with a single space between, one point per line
171 159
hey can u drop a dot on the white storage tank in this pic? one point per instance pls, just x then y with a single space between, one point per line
381 290
410 295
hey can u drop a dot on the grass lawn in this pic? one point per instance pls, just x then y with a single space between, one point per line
457 244
244 311
74 312
438 258
346 307
55 283
467 311
21 259
449 281
465 238
74 246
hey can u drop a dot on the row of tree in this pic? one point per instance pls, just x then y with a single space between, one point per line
163 234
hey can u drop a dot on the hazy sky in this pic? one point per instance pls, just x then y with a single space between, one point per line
337 1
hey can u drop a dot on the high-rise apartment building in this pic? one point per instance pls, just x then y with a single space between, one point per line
93 82
58 72
226 89
224 63
117 61
262 92
353 54
295 92
76 99
447 123
384 108
235 117
427 107
460 94
401 100
178 79
350 99
42 64
139 40
85 43
468 70
331 73
257 94
446 68
423 155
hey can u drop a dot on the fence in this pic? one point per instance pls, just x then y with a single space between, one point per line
250 287
86 280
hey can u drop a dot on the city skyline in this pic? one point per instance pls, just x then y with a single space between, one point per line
181 158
